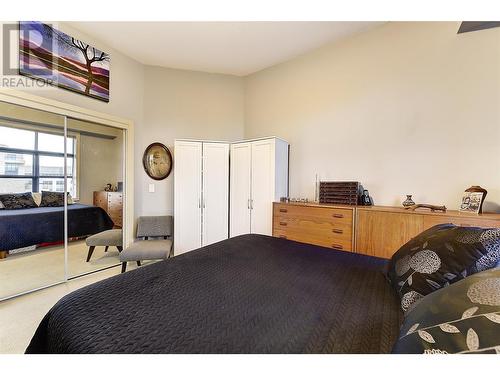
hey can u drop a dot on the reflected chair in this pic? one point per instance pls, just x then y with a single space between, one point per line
107 238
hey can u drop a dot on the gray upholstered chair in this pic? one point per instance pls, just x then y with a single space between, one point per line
107 238
160 229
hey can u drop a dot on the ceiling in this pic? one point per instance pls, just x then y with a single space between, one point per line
238 48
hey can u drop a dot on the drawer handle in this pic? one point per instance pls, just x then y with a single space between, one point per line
282 223
339 231
335 246
283 210
282 236
338 216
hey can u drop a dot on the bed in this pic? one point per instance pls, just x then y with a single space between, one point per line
34 226
248 294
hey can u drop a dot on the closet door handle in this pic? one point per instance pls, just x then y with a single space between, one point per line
338 231
248 203
199 202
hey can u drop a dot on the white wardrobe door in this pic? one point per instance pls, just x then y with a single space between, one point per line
240 189
215 192
262 186
187 199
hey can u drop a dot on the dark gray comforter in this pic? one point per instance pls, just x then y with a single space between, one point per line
249 294
33 226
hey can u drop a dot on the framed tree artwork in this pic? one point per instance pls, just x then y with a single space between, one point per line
48 54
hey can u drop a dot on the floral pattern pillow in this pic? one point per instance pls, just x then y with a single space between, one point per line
462 318
52 199
440 256
17 201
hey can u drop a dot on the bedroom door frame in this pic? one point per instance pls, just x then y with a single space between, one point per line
68 110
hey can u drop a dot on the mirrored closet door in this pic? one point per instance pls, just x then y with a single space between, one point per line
95 218
32 159
61 198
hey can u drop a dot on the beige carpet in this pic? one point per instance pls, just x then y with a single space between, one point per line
20 316
45 266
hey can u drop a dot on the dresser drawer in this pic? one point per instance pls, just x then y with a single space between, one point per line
115 199
320 214
318 227
330 241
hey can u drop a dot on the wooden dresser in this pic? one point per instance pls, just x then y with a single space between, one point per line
378 231
112 203
381 231
319 224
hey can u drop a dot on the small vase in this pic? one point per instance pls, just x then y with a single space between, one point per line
408 201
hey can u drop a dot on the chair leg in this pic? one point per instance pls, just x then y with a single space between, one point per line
119 248
91 250
139 263
106 249
124 266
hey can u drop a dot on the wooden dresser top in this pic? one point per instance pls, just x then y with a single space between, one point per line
321 205
448 213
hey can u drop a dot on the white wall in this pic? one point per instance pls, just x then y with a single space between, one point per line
164 104
406 108
101 162
184 104
403 108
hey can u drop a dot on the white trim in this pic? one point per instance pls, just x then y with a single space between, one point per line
259 139
199 140
230 142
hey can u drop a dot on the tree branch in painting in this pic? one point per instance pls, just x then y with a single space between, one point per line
89 53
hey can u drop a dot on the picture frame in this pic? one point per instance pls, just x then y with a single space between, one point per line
157 161
471 202
62 60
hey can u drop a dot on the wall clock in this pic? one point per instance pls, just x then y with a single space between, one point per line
157 161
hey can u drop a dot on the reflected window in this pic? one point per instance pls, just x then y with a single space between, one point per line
31 160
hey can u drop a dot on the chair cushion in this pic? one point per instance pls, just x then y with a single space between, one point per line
112 237
154 226
146 250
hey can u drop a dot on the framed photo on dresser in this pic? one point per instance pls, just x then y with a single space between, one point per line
471 202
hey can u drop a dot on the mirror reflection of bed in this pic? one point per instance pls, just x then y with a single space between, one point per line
32 150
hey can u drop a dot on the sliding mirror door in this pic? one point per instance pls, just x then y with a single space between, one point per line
95 215
32 185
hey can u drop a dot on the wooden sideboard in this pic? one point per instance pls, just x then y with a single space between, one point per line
112 203
375 230
323 225
381 231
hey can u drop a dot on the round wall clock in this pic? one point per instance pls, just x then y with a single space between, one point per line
157 161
